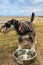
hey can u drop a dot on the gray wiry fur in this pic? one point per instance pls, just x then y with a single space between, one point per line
27 31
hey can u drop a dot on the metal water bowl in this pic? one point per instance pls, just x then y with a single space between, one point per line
24 55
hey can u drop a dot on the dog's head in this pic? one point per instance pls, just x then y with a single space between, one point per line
6 27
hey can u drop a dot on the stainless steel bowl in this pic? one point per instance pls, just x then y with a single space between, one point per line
24 55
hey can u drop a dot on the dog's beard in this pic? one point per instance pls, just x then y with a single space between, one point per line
4 30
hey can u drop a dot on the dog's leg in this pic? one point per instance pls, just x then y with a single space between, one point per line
24 43
35 40
34 44
33 47
19 42
21 45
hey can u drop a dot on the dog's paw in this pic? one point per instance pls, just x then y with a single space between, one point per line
35 42
19 48
33 49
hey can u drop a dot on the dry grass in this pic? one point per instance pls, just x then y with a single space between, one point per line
8 42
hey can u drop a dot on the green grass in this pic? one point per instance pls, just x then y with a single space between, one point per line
8 38
8 42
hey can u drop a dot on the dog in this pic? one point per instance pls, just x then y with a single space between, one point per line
25 31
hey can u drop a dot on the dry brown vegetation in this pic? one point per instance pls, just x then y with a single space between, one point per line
8 42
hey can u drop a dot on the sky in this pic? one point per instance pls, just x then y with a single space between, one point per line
21 7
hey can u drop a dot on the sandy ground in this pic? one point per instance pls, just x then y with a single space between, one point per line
6 50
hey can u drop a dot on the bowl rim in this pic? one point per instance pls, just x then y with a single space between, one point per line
25 59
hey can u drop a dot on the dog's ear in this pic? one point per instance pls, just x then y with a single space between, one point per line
16 21
32 17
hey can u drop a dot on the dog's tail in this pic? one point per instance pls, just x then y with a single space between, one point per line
32 17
